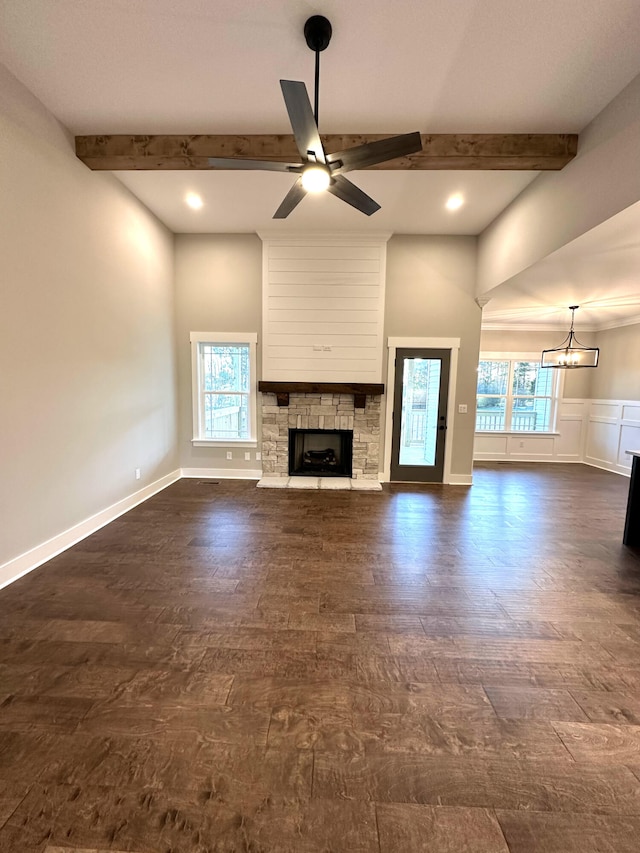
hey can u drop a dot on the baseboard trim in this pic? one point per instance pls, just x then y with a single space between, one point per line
30 560
460 480
222 473
605 466
488 457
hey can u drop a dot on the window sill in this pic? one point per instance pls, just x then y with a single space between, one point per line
223 442
528 433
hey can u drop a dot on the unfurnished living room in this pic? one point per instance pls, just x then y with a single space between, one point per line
320 426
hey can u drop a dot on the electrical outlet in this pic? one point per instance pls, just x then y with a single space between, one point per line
522 444
327 349
258 456
247 455
462 408
229 454
137 473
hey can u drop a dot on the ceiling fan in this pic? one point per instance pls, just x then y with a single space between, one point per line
319 170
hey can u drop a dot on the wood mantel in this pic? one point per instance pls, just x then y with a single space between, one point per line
360 390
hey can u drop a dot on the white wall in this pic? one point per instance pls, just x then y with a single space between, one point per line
87 367
618 373
557 207
218 289
430 293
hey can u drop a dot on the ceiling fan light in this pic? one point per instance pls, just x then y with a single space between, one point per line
315 178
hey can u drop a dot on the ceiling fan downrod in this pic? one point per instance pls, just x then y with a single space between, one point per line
317 33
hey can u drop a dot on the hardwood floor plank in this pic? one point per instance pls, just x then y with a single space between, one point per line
609 707
438 829
11 795
26 713
414 733
531 832
218 723
597 743
532 785
534 703
569 675
444 626
186 761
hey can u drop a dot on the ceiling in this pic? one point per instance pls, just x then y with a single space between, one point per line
212 66
599 271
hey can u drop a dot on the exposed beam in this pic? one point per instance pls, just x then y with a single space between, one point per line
539 151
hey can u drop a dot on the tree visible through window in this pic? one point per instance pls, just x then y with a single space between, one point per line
514 395
225 375
223 388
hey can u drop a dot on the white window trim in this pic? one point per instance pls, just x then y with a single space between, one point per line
197 338
556 395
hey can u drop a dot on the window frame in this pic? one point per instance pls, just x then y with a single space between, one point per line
197 390
554 397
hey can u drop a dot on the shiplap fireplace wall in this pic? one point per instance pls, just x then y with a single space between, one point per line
323 316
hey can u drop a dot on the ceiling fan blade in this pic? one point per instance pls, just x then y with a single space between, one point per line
344 189
302 121
362 156
292 198
244 163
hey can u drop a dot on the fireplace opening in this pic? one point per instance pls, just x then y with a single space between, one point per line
320 452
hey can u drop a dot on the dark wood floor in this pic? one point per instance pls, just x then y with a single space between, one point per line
228 668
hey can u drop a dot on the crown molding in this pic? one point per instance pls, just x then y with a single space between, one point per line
617 324
533 327
549 327
324 238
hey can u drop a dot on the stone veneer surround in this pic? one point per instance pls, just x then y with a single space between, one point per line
320 411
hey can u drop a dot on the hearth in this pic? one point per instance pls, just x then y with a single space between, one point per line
320 452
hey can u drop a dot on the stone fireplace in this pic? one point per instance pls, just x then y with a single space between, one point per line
291 409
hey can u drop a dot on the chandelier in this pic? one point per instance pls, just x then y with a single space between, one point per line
571 353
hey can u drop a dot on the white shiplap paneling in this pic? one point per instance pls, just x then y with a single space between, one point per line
323 307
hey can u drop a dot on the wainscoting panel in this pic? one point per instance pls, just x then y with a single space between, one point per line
596 432
602 442
568 444
613 428
323 307
564 445
629 440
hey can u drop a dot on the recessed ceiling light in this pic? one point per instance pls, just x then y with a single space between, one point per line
194 201
454 202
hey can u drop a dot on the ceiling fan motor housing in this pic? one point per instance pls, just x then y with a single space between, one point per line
317 33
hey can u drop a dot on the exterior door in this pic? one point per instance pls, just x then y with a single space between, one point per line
419 415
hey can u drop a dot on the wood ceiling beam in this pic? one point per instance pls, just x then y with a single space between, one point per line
538 151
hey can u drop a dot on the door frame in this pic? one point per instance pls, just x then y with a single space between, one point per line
393 344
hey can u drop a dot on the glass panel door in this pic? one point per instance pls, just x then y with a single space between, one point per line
419 415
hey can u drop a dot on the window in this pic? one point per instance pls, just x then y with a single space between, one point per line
224 388
515 395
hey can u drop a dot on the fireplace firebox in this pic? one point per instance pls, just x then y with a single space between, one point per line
320 452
